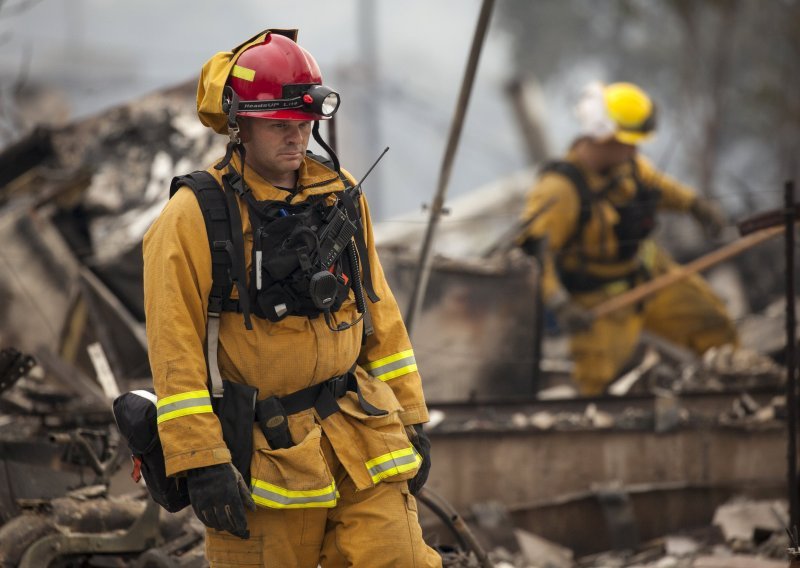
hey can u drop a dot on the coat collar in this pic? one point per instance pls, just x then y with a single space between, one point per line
313 178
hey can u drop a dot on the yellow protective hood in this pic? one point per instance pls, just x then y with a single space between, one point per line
215 75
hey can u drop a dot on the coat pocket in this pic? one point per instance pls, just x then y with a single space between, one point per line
381 439
293 478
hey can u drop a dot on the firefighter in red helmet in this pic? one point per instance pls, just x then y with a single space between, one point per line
288 394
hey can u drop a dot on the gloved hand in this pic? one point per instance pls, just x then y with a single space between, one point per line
571 317
219 495
709 216
421 442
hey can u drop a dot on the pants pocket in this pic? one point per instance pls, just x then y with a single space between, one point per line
224 551
293 478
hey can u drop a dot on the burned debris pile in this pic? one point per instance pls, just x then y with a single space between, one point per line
74 204
558 481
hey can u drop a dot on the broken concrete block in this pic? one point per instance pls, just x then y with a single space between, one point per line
727 359
598 418
543 420
738 519
680 545
519 420
557 392
541 552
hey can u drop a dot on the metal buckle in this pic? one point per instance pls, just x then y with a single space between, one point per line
337 385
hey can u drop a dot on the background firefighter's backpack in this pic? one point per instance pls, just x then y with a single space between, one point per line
637 218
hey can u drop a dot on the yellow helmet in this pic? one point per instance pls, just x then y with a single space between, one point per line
620 110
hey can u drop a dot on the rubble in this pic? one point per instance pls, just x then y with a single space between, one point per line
740 520
72 214
543 553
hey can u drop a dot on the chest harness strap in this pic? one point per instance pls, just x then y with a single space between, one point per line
637 221
223 227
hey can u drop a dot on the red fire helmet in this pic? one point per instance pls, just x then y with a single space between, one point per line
280 80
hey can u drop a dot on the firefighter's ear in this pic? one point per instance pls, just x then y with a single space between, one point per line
245 128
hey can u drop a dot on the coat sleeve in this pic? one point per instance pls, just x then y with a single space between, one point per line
177 281
551 215
675 196
387 353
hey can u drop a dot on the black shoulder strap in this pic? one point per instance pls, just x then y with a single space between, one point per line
643 190
226 265
218 228
574 175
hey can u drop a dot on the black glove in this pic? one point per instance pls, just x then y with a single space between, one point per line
421 442
218 495
709 216
573 318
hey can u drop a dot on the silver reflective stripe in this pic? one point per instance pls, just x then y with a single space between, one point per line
392 366
183 404
273 496
389 367
394 465
146 394
212 336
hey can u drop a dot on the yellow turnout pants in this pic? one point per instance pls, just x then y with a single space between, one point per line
376 527
687 313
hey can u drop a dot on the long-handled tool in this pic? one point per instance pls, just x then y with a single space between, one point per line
705 262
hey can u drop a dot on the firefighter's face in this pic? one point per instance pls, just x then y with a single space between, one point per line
275 147
615 153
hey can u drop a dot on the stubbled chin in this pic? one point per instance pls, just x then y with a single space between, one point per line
293 157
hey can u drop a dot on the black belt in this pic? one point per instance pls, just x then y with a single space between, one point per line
272 412
582 282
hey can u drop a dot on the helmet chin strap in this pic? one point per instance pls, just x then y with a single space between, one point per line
328 149
230 105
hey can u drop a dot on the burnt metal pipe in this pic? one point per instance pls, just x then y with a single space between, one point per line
791 350
425 259
452 520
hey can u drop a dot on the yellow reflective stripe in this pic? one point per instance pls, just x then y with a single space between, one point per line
275 497
243 73
182 396
183 404
389 359
393 463
397 372
393 366
184 412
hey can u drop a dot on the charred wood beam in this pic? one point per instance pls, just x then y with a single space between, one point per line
13 366
25 155
73 378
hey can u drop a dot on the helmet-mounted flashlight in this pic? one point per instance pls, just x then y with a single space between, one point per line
313 98
322 100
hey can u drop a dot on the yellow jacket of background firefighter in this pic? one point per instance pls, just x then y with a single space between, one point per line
590 264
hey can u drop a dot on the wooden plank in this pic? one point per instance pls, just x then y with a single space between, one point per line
737 561
705 262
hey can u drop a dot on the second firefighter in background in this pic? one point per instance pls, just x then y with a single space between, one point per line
589 219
